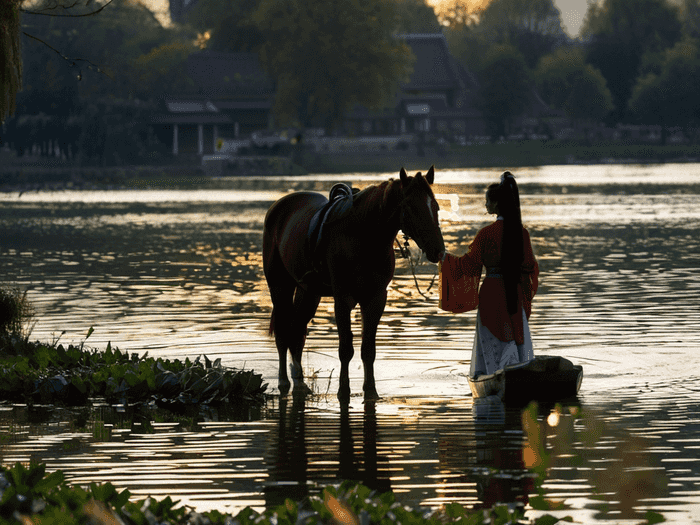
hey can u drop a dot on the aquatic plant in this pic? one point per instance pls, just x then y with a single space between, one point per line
30 495
73 375
16 314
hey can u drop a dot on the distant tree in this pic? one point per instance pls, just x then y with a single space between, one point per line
459 13
327 57
565 81
504 87
163 70
466 44
534 27
690 18
227 24
82 48
415 16
670 98
619 33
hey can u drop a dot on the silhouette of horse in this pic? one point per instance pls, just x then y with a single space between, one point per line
353 262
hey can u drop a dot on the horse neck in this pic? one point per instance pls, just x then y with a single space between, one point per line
379 209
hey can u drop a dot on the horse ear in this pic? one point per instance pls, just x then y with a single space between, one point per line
404 176
430 176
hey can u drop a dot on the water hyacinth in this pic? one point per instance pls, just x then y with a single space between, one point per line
73 375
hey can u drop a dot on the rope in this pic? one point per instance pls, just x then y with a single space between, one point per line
406 254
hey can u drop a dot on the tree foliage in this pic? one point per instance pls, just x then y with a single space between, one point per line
619 33
505 86
565 81
670 97
415 16
327 57
91 56
227 24
690 18
534 27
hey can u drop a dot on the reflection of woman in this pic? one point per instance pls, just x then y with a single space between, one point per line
505 298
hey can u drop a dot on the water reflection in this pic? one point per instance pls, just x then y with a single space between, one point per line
340 446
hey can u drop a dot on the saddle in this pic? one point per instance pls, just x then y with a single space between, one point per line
338 206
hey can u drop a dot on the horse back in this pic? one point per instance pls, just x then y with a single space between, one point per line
286 229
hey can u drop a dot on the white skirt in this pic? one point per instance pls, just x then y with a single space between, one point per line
490 354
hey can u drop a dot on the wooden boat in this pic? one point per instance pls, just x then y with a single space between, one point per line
545 378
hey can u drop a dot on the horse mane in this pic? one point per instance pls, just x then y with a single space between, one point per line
374 200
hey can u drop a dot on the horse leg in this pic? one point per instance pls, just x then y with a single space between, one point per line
281 286
372 310
343 309
281 326
305 306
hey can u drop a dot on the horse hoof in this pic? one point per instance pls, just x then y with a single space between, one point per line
372 396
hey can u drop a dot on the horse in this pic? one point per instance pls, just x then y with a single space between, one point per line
354 264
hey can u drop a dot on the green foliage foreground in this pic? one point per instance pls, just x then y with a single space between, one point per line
74 375
31 496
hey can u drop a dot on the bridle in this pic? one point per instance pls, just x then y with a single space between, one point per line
403 248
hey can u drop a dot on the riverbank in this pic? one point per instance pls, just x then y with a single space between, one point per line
31 174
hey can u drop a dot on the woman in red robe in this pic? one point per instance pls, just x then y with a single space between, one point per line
505 299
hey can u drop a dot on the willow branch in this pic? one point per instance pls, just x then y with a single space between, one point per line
91 13
73 61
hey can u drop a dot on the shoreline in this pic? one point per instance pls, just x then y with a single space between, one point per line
34 174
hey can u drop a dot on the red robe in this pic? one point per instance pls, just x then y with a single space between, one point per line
461 274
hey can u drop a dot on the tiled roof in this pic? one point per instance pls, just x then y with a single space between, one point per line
433 69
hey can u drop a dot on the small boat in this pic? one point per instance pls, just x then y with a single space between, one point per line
545 378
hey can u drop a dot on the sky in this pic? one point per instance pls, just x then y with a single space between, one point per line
572 14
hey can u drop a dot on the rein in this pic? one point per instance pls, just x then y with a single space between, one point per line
406 254
403 248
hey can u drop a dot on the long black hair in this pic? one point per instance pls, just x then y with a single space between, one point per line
507 196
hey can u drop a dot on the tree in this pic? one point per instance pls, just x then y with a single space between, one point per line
227 24
459 13
670 98
504 86
534 27
10 56
415 16
690 18
619 33
565 81
327 57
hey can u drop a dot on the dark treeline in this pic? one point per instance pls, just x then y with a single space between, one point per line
87 94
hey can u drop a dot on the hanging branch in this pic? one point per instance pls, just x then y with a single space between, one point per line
10 57
72 61
91 13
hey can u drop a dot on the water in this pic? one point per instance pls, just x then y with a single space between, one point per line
178 274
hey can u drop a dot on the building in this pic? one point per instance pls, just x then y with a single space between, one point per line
437 99
233 97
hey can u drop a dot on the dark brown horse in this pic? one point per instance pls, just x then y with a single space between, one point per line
354 265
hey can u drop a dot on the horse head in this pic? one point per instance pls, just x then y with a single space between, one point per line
419 213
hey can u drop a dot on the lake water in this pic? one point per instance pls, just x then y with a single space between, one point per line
177 273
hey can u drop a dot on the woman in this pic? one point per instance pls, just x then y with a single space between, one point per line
504 301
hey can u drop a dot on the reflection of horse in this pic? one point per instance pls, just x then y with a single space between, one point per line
354 264
294 466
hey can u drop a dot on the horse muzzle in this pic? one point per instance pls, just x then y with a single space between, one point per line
435 256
